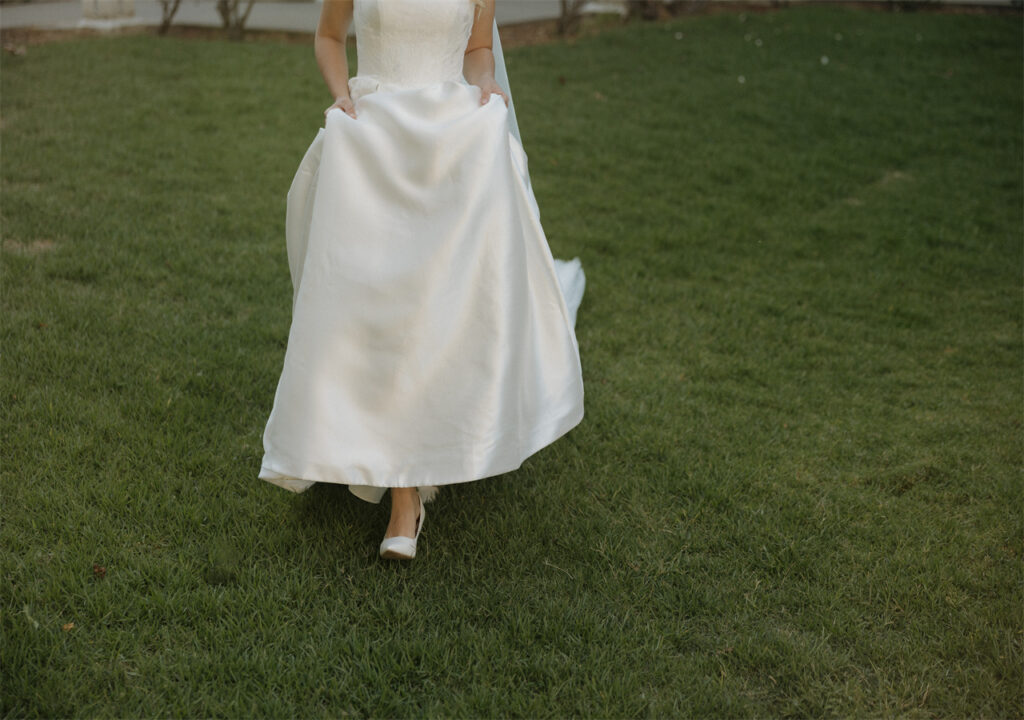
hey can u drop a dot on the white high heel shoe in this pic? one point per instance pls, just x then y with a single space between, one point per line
401 547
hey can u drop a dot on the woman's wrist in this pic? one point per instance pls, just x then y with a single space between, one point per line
484 79
478 66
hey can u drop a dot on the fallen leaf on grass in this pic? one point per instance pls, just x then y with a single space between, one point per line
67 626
892 176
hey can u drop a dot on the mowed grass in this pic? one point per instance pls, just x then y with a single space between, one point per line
797 489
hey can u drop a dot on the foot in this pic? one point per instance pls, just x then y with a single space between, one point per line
405 510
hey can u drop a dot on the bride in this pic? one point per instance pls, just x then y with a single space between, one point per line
432 335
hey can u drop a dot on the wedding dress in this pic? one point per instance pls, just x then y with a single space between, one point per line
431 338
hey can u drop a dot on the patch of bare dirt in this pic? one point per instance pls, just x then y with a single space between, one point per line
33 247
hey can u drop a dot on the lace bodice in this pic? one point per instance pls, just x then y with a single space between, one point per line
410 42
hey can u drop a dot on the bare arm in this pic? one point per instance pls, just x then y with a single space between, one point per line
329 46
478 62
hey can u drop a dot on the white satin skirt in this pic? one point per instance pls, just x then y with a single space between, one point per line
431 338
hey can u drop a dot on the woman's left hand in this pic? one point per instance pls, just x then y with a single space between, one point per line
490 87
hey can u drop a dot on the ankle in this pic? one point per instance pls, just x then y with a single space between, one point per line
403 498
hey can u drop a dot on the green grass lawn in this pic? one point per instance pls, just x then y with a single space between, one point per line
797 489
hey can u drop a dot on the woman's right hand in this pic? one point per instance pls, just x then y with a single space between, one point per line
344 104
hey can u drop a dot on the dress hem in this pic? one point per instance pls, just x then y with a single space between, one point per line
421 474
